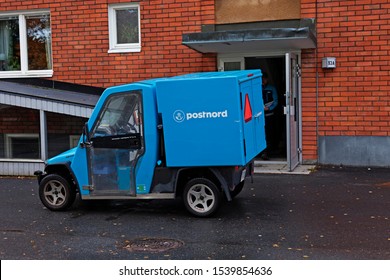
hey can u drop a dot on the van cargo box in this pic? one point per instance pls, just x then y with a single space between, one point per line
212 119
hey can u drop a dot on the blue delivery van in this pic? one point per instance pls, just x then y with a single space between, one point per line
193 136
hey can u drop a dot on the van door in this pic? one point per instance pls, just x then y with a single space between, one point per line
252 103
116 144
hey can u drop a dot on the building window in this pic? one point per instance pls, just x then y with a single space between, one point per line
25 45
19 133
22 146
124 28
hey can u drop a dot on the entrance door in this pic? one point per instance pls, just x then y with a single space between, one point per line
275 68
283 72
116 144
292 110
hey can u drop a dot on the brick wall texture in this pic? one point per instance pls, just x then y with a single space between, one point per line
80 40
17 120
351 100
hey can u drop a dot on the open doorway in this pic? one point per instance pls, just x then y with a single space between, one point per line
276 134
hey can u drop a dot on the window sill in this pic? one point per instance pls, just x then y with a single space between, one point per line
29 74
124 50
22 160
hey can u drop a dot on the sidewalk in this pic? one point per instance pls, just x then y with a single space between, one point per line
276 167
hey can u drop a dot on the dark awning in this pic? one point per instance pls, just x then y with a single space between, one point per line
249 40
47 99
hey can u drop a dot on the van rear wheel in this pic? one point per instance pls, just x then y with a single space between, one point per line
56 193
201 197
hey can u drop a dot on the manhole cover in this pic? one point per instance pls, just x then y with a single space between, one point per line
154 245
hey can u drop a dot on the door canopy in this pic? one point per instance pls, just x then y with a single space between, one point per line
261 36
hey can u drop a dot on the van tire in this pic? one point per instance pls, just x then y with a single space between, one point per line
201 197
56 193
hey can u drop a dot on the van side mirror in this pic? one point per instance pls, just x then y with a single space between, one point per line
86 137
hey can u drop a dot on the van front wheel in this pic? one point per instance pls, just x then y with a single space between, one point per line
56 193
201 197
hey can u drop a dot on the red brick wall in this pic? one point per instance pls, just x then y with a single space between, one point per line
309 92
64 124
353 99
18 120
23 120
80 40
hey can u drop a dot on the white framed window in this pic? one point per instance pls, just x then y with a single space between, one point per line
25 44
124 28
18 145
231 63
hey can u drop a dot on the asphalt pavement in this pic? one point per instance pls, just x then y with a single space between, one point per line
333 213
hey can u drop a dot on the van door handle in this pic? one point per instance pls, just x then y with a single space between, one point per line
258 115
